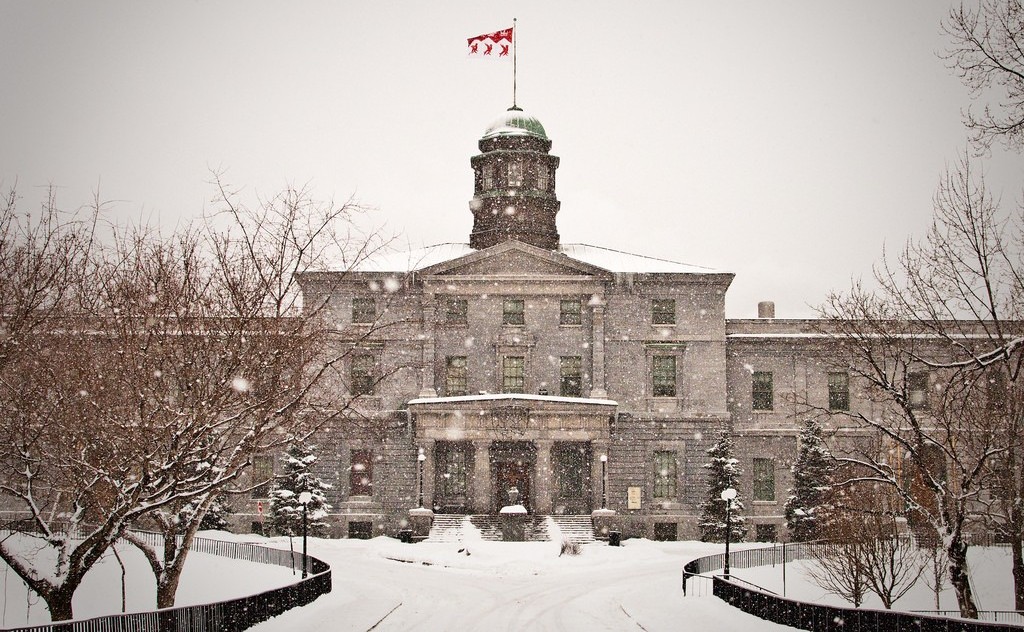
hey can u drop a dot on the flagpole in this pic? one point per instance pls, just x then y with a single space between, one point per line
514 38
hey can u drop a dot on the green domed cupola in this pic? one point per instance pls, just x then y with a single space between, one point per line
514 184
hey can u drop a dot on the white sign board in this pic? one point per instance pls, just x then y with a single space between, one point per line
632 498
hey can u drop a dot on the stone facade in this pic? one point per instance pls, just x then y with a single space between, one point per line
585 377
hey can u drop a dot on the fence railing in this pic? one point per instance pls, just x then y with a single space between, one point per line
233 615
812 616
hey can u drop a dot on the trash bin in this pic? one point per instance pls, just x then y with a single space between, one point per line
405 535
614 537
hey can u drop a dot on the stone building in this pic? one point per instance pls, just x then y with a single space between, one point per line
582 376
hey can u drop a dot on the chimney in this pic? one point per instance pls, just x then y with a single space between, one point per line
766 309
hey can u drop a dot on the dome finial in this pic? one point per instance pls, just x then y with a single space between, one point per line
515 108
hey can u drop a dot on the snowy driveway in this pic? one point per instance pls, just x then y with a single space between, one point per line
510 586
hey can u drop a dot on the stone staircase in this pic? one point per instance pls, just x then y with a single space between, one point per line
451 528
576 528
462 528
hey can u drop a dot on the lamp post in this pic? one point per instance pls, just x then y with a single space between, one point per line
304 499
604 481
727 495
421 457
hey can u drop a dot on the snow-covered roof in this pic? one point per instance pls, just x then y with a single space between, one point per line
515 122
620 261
606 258
512 396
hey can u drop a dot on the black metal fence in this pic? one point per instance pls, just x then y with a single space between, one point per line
811 616
225 616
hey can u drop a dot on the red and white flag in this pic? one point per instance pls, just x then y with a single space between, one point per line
492 45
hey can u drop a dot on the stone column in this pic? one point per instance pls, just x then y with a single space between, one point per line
480 484
429 469
543 478
429 349
597 379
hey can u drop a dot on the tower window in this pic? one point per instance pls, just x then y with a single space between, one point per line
512 312
515 173
487 177
543 178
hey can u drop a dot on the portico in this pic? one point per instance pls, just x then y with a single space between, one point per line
478 447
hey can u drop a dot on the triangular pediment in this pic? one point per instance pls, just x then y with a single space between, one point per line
514 259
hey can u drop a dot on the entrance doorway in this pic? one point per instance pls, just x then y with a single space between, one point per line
512 465
509 474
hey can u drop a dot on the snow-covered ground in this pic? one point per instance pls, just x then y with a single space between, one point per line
989 570
206 579
382 584
511 586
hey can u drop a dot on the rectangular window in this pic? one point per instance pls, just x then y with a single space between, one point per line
570 312
763 392
543 178
663 372
262 475
766 533
666 531
572 466
456 311
838 391
364 310
917 389
452 464
363 379
571 376
515 173
488 177
996 391
665 474
360 481
512 311
764 479
455 376
663 311
513 374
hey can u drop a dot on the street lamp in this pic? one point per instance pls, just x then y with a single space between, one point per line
727 495
421 457
304 499
604 481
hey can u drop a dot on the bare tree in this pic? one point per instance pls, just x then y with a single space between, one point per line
947 314
865 551
987 52
146 374
251 339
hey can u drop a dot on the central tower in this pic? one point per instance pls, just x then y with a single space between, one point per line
514 184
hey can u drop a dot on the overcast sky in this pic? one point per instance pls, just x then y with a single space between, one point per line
784 141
